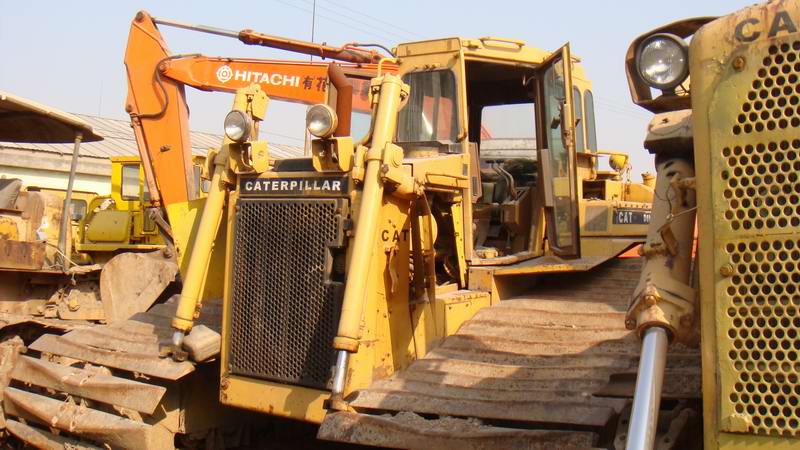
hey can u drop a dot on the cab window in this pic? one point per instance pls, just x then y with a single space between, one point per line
431 112
591 133
130 182
576 106
146 193
78 209
508 131
360 116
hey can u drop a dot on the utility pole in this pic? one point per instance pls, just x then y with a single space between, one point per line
306 144
313 21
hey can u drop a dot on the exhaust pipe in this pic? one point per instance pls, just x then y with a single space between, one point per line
647 398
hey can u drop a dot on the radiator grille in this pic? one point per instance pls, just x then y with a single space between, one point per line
757 214
284 307
764 319
773 99
762 185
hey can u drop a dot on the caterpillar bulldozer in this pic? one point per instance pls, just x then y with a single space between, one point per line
725 134
397 289
98 395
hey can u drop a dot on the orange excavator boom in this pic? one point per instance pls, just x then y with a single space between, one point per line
156 98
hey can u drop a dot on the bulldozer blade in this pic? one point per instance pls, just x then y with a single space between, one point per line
116 431
43 439
147 364
131 282
414 432
88 384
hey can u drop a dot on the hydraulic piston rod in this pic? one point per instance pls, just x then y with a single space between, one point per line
392 91
663 304
647 399
347 53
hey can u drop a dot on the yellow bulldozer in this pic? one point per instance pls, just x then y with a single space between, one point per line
726 136
398 288
62 263
403 291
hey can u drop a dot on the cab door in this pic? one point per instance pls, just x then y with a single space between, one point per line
556 144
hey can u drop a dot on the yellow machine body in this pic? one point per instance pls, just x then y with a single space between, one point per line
744 100
119 221
738 123
303 214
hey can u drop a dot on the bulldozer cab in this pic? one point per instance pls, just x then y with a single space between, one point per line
512 198
120 221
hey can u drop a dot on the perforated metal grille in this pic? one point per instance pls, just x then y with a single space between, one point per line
284 312
756 152
763 310
773 100
762 185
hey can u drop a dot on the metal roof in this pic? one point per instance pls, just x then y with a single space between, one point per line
23 120
120 141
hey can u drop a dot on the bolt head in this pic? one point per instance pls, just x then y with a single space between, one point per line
726 270
739 63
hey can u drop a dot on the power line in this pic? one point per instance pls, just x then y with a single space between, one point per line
404 33
285 136
381 36
362 22
621 105
630 112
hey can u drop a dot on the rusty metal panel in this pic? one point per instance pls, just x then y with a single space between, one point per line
44 439
89 384
21 255
147 364
414 432
117 338
285 301
545 411
116 431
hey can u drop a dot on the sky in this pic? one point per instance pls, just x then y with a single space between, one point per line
69 54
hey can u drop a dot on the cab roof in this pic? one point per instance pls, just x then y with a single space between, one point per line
488 48
23 120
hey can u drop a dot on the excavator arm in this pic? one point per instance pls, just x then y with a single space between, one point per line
159 115
157 102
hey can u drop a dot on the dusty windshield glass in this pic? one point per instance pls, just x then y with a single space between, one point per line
560 170
431 113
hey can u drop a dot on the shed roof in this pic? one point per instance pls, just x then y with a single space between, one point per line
120 141
23 120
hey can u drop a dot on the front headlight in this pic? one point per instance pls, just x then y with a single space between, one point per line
238 126
321 120
663 61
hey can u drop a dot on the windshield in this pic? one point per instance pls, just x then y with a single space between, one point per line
430 114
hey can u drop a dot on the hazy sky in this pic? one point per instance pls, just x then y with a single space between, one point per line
69 54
